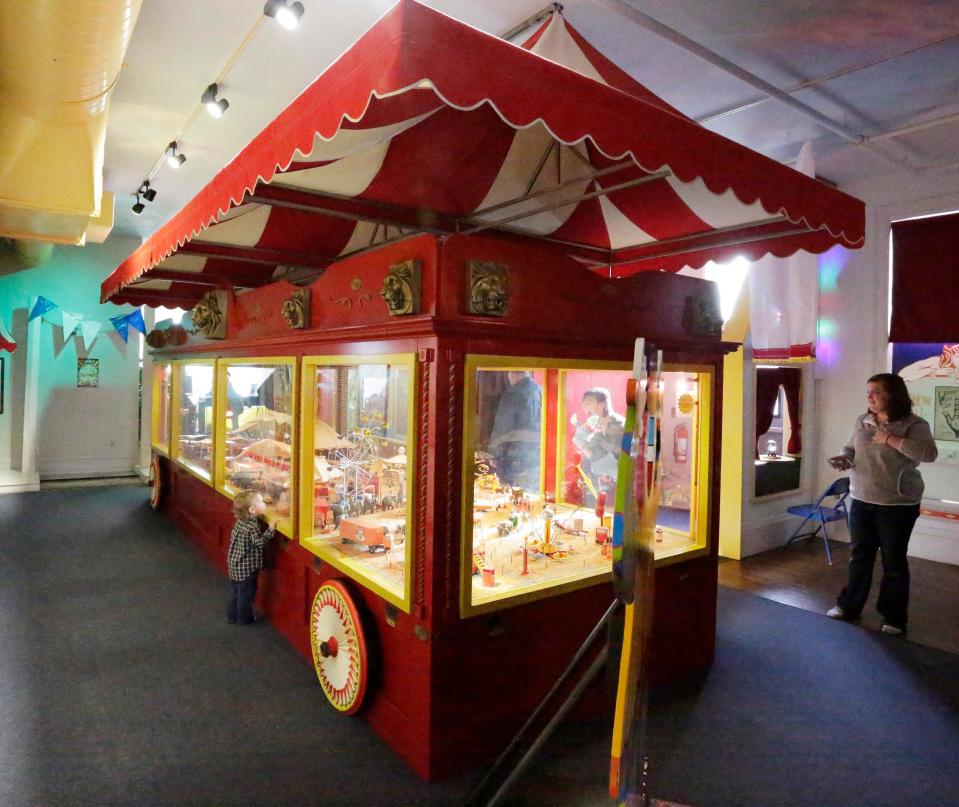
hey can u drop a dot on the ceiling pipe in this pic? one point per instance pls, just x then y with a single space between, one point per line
811 83
624 8
59 63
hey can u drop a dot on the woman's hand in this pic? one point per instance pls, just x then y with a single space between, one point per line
885 438
841 462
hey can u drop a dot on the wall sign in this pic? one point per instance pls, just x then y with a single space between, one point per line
88 372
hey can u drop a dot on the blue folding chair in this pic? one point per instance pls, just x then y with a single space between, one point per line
822 515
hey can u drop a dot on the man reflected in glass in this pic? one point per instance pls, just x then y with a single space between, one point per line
517 432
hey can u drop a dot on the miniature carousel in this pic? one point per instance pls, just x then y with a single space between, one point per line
432 402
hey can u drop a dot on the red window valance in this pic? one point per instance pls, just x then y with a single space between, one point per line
925 280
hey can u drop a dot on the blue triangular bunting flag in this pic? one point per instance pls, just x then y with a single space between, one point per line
121 324
135 318
40 307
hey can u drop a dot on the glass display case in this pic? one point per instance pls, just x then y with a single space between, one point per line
193 436
358 434
255 443
541 449
162 393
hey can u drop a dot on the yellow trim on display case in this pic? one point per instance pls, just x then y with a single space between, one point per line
157 404
354 569
535 591
471 605
699 512
285 525
177 386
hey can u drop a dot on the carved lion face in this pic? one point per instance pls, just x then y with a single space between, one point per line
207 315
490 294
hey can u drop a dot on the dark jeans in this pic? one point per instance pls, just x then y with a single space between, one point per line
239 608
885 528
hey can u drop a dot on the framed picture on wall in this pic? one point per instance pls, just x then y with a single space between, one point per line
88 372
946 420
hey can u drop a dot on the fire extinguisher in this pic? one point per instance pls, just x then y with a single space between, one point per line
681 443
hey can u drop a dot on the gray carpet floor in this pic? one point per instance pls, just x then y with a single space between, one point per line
120 683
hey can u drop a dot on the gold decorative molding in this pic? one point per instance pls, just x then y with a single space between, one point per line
403 288
488 288
209 314
296 309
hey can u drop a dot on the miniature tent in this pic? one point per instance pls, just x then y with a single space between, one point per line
325 436
427 125
268 450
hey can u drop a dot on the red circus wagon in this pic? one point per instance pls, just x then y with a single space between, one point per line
419 289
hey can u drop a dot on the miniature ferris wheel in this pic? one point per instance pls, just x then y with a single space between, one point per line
354 458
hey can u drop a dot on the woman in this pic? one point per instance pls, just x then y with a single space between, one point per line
882 455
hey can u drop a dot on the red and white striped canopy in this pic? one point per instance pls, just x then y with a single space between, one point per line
427 124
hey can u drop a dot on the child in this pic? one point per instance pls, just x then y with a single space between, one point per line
245 555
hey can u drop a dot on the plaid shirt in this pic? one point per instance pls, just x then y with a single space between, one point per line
245 554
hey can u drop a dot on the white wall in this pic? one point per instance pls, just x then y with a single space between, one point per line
854 332
81 431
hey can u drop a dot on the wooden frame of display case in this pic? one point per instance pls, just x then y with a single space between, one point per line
699 522
307 401
284 525
176 387
422 647
157 406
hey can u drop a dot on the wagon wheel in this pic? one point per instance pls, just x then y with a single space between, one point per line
339 647
155 481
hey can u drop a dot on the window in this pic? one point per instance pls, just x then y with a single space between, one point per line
359 449
194 419
257 401
162 391
542 447
778 459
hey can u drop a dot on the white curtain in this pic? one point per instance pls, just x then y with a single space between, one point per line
784 296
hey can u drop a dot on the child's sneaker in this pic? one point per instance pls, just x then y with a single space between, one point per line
892 630
836 613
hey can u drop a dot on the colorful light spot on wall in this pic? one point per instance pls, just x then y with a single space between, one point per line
828 349
831 265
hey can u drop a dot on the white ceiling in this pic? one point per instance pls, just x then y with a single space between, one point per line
877 65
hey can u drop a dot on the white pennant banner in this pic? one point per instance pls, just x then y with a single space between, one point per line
70 322
89 330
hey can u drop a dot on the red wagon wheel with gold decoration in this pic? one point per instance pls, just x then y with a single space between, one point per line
339 647
154 480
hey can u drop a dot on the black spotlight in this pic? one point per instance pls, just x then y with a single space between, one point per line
138 207
147 192
286 13
173 159
215 107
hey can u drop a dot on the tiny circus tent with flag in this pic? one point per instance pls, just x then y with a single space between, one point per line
428 125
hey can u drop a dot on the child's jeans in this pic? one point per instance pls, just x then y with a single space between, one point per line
240 606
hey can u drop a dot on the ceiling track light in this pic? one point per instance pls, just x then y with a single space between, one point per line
173 159
139 206
215 107
286 13
146 191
